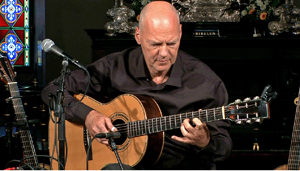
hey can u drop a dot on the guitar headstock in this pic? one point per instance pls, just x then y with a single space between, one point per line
251 110
7 73
248 111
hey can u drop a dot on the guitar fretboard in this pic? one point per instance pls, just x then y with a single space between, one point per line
294 153
165 123
25 135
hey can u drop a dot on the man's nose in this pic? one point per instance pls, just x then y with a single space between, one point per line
163 51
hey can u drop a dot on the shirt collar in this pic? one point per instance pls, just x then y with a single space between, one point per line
175 76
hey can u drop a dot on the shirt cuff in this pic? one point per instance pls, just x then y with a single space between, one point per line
80 112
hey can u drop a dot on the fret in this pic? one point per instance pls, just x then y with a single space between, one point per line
170 122
145 126
14 91
21 119
165 123
160 124
155 126
175 121
138 128
152 126
206 115
134 128
131 129
18 106
149 131
142 128
128 129
214 113
296 141
20 113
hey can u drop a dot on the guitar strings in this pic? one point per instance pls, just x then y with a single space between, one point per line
293 159
142 127
25 135
170 122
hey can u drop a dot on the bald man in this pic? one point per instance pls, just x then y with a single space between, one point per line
177 81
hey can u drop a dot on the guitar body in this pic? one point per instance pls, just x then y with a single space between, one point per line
282 167
126 108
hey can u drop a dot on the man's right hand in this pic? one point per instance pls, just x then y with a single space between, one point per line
97 123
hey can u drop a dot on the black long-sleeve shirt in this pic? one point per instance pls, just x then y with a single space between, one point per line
192 85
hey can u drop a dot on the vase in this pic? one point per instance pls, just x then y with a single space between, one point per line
120 24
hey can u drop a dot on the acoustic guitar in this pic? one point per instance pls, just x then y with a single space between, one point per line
294 152
141 124
7 75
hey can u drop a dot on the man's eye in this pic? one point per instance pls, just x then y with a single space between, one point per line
155 45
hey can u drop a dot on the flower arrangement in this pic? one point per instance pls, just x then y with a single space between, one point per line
259 10
138 5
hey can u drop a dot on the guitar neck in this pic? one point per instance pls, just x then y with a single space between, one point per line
294 156
25 135
165 123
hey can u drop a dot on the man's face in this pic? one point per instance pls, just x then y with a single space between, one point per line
160 42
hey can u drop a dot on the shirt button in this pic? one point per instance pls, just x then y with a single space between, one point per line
147 79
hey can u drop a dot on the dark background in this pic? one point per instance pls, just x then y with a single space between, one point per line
245 64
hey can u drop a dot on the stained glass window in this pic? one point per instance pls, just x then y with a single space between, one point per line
14 31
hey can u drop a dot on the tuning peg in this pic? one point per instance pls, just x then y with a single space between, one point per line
256 98
247 99
250 121
238 101
238 122
257 120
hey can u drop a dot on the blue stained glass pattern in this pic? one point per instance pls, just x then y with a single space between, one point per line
11 46
10 9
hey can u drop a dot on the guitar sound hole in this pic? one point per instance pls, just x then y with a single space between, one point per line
122 128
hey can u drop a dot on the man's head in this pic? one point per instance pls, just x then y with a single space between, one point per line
159 35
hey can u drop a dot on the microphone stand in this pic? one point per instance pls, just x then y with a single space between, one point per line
114 148
58 112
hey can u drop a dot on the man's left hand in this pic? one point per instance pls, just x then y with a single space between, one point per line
198 135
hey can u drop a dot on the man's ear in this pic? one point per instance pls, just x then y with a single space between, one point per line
137 35
180 30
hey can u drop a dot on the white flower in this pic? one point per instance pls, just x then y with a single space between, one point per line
144 2
251 6
259 3
244 13
263 7
267 2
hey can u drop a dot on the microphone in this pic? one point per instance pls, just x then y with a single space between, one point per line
108 135
49 46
